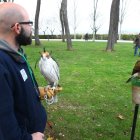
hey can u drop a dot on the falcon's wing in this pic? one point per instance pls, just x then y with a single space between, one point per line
49 69
56 68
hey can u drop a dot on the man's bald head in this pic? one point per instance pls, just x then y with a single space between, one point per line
10 13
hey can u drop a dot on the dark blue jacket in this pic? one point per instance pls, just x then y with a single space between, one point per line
21 112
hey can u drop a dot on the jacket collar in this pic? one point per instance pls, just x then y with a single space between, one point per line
16 55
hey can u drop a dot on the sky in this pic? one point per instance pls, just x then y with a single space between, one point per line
49 15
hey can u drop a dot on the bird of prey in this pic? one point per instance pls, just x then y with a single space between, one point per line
50 70
135 71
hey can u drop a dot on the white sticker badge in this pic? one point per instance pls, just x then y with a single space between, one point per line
23 74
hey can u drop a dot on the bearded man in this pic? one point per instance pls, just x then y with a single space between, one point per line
22 117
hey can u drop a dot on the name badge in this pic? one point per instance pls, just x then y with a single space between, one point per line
23 74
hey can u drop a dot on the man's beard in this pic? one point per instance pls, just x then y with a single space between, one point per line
23 39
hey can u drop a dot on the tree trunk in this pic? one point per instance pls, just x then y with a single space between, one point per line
123 6
74 17
62 24
94 18
120 30
37 41
66 24
113 28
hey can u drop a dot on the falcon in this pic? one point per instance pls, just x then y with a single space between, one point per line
50 70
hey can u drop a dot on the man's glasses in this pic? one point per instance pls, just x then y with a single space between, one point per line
24 22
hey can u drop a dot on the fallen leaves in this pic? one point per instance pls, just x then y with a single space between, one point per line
121 117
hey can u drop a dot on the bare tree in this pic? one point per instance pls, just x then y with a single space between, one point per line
74 17
51 24
62 24
95 27
94 17
36 32
123 5
113 27
44 32
65 24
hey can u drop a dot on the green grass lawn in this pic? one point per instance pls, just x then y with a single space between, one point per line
94 91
